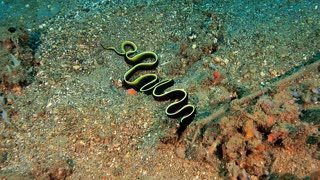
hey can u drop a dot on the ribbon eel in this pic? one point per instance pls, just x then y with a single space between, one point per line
150 84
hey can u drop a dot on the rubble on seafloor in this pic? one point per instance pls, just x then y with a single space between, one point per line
266 129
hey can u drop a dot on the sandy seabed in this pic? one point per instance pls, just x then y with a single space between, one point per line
251 69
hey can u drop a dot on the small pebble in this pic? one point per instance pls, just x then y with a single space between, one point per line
76 67
273 73
41 26
315 90
314 100
217 59
295 94
180 152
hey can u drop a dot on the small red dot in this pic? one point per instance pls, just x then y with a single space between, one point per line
216 74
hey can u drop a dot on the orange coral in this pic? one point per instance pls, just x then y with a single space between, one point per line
249 129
